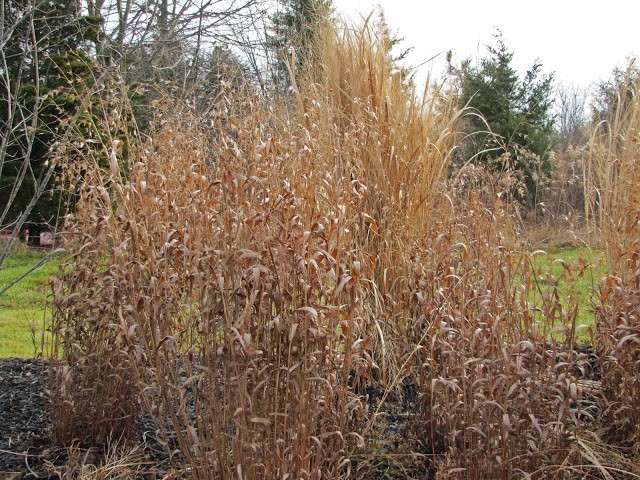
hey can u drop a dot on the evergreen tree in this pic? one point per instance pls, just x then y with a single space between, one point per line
613 92
45 52
391 40
517 111
293 33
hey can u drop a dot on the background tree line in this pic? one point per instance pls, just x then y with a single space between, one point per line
57 56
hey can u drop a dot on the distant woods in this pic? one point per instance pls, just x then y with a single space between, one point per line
60 60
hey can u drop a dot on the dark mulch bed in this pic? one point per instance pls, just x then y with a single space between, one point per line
24 418
25 426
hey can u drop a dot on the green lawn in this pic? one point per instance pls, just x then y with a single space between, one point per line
578 271
23 308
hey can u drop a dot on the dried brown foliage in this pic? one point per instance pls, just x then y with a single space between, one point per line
241 278
619 340
612 175
615 160
204 289
395 145
498 398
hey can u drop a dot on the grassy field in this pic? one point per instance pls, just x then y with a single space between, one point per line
577 271
23 307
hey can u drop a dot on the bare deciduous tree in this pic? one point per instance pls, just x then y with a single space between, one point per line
37 39
146 40
571 118
165 39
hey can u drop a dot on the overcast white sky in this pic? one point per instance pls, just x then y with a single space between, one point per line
581 41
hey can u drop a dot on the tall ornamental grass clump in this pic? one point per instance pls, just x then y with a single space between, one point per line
615 158
201 289
496 376
240 280
393 139
612 175
393 144
93 382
